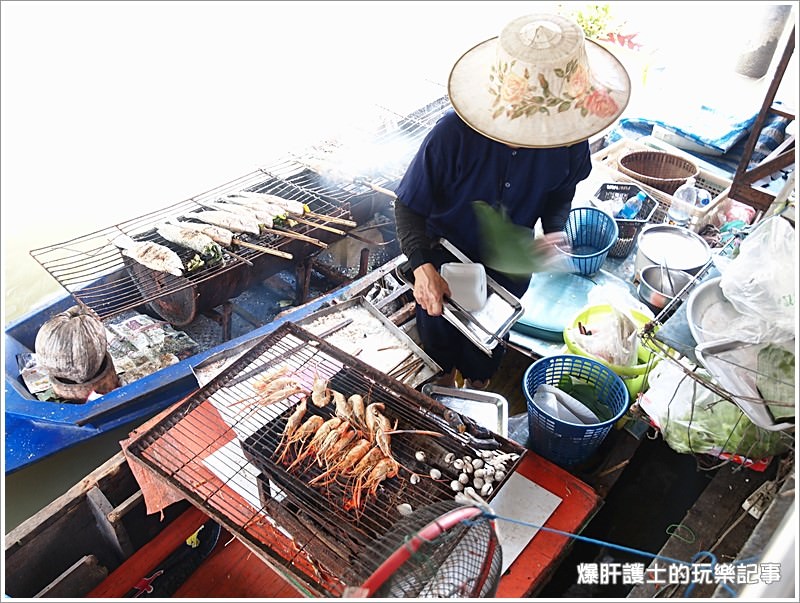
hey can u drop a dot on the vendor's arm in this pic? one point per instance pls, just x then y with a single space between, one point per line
429 287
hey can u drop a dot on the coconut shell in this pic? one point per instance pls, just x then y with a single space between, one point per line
71 345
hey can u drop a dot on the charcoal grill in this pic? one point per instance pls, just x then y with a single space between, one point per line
106 283
219 450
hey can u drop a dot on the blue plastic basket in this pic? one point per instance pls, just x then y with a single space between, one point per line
590 233
562 442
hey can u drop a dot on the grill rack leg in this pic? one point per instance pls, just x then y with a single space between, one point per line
223 318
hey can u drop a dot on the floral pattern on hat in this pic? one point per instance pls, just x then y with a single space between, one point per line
519 95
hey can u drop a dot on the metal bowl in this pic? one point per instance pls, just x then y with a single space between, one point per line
673 246
659 285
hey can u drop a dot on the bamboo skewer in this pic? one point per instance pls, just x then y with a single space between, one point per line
341 221
281 254
239 257
317 225
378 189
295 235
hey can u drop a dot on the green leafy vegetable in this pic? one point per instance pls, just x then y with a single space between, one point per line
195 263
721 426
510 248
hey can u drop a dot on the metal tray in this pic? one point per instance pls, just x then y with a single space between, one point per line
487 326
490 410
413 368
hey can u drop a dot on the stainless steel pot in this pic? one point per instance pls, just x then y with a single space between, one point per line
659 285
671 246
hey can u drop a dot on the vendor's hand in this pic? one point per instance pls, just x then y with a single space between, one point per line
547 243
550 249
430 289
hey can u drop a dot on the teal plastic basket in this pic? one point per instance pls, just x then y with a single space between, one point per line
559 441
591 233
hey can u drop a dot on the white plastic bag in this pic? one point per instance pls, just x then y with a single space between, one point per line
613 338
561 405
760 283
693 419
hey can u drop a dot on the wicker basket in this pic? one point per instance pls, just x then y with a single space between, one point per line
661 170
607 160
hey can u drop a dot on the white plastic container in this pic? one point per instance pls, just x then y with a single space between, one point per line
467 284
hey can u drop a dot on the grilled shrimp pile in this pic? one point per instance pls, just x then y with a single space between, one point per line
353 446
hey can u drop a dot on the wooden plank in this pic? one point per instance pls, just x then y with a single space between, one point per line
140 564
713 512
234 572
83 575
66 525
36 525
113 531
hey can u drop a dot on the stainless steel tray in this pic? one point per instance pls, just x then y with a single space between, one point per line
486 327
358 328
489 410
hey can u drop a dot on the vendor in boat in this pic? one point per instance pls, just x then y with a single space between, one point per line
525 103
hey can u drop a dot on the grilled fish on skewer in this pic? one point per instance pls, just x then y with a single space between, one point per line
296 208
191 239
223 236
231 221
276 211
220 235
270 214
152 255
262 217
290 206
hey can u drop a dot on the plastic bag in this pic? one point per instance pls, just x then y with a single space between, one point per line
693 419
561 405
760 283
614 338
617 294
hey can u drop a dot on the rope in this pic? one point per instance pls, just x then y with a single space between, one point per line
619 547
674 528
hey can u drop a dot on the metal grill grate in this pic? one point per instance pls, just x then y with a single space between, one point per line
219 448
107 283
102 279
375 158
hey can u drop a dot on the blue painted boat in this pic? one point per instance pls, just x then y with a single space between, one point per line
36 429
96 275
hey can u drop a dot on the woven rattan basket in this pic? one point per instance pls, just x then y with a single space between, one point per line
661 170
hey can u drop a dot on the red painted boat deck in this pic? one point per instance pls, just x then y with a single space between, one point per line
233 571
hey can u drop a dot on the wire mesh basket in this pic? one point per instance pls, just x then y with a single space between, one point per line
628 229
659 169
562 442
444 550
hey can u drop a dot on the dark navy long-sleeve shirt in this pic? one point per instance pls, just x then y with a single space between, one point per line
455 165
